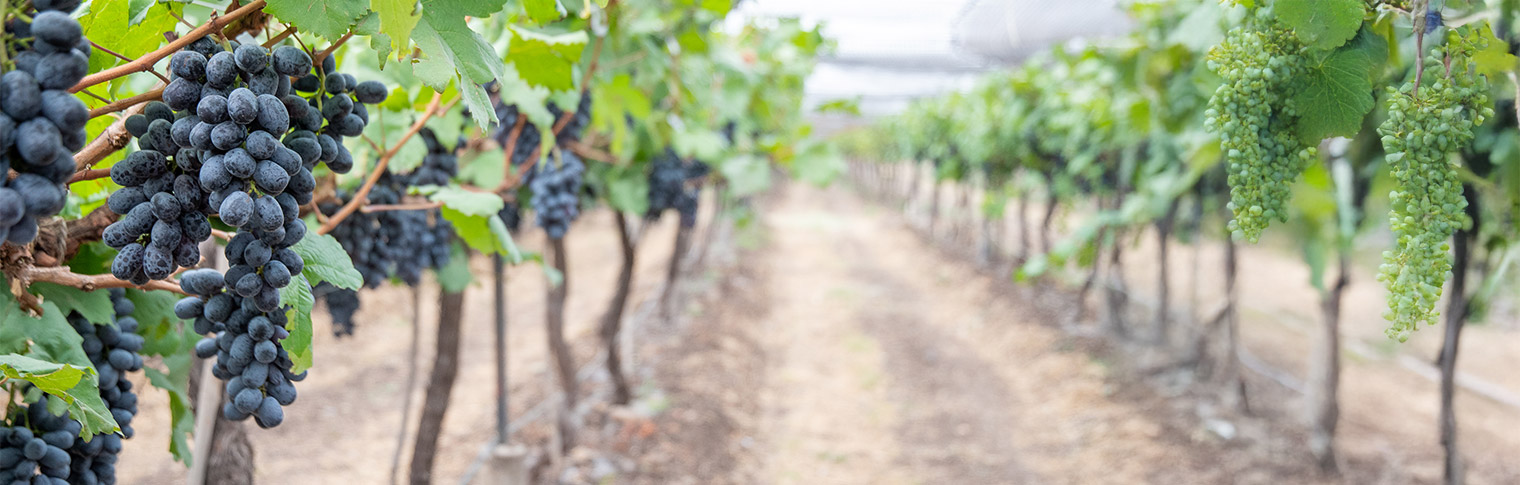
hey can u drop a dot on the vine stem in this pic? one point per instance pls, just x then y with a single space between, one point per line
147 61
122 104
317 59
115 137
385 160
62 276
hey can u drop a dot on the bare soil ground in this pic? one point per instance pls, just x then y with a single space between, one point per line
848 348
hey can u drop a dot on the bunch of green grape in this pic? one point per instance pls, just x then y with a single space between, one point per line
1253 114
1423 132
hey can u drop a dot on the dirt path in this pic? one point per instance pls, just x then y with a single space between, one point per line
889 360
889 364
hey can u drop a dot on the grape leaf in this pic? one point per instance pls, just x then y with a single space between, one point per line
51 377
137 11
531 101
156 322
48 336
484 168
542 11
94 306
1496 60
504 237
118 26
445 36
455 277
628 192
817 163
546 60
467 202
475 230
327 18
326 261
176 383
699 142
397 19
746 175
479 103
1322 24
1338 89
297 298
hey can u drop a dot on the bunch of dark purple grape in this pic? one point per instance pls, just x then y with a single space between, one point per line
397 243
113 350
41 123
34 448
250 358
237 123
669 188
555 188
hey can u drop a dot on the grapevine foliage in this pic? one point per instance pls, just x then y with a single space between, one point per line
1423 131
1254 115
39 447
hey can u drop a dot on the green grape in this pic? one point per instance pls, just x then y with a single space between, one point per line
1420 137
1253 114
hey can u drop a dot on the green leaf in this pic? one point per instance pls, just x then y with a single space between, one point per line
128 27
546 60
51 377
504 237
1322 24
298 300
176 383
467 202
746 175
475 230
699 143
397 19
48 337
137 11
445 37
1495 60
531 101
86 406
94 306
1337 90
455 276
327 18
326 261
840 106
628 192
164 332
818 163
485 168
542 11
479 103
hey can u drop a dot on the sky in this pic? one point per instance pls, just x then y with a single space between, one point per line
893 51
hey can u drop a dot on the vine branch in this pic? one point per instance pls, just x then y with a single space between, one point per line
147 61
362 194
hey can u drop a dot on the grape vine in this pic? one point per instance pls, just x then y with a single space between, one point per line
1424 129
